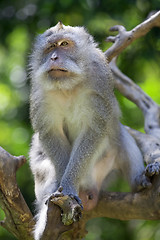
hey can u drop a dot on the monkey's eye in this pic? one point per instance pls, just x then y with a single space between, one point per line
64 43
53 45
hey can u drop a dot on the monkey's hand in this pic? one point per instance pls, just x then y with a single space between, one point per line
152 169
71 206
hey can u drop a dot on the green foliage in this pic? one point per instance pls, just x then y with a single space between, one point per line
108 229
20 21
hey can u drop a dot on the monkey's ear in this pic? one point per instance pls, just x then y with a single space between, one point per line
59 25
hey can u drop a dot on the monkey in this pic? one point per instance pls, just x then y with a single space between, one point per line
78 138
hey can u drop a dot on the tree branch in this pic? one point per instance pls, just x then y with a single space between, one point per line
149 143
125 38
124 206
19 220
130 90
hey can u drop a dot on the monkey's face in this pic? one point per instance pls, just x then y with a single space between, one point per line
59 59
61 56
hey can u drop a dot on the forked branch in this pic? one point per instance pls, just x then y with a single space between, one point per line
125 38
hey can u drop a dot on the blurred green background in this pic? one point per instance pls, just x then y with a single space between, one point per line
20 21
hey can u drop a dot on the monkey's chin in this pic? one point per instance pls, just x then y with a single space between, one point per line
58 73
59 79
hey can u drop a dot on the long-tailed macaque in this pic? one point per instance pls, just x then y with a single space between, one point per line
78 138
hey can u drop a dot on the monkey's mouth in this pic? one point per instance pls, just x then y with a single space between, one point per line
57 69
57 72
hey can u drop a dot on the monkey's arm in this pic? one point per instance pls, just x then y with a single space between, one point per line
85 151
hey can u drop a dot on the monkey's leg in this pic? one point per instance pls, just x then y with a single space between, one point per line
46 181
49 157
130 161
43 171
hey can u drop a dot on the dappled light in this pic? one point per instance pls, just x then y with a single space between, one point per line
20 22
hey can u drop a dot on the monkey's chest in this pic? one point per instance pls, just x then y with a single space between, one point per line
70 114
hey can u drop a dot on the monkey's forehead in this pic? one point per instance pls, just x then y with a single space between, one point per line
62 31
65 30
77 34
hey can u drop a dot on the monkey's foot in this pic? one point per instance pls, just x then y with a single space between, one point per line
152 169
142 182
71 209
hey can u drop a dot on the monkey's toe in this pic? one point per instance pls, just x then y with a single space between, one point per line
152 169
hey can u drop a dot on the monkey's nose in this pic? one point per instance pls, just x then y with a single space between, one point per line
54 57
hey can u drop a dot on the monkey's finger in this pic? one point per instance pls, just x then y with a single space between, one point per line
79 201
152 169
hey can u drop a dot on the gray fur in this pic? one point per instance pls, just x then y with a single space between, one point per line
76 119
